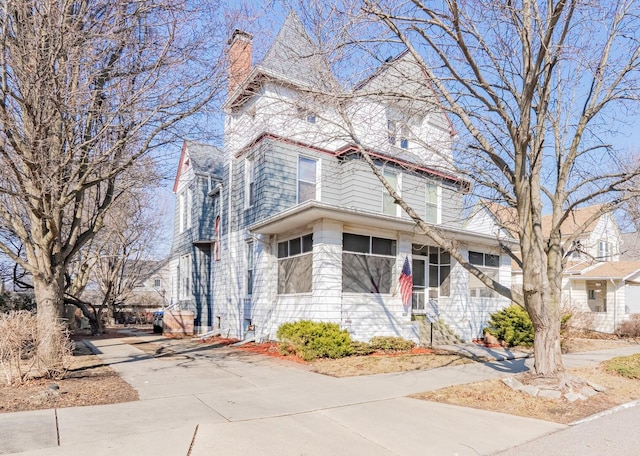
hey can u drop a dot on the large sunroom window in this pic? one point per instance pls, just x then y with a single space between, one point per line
367 263
295 265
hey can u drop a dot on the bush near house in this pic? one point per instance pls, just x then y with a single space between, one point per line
512 325
630 328
390 344
310 340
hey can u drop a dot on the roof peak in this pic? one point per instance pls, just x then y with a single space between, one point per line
295 57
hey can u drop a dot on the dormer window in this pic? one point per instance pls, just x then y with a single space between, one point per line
397 128
307 115
604 251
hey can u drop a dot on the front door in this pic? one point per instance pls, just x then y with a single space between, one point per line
424 289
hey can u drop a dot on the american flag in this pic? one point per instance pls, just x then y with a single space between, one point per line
406 283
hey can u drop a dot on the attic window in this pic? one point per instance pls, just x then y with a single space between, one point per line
307 115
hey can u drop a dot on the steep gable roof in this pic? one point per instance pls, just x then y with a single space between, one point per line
295 58
201 159
576 221
292 58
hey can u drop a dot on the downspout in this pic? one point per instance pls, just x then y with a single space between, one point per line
615 305
229 191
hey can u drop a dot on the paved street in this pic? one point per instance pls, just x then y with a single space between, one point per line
219 400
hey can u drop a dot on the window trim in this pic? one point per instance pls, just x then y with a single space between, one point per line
250 257
438 203
249 182
385 194
392 257
300 180
493 269
304 251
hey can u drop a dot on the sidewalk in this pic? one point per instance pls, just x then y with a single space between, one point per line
228 402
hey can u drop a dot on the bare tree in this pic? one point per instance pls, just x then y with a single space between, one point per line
86 89
535 90
536 85
104 273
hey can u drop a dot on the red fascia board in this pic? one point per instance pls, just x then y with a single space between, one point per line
353 149
179 172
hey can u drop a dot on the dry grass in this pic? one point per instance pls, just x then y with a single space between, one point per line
496 396
371 365
87 382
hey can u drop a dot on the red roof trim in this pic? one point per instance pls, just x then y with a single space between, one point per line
353 149
179 172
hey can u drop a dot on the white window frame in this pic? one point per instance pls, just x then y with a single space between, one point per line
286 256
299 180
184 277
438 203
189 208
181 212
369 253
249 182
604 250
489 270
387 199
250 268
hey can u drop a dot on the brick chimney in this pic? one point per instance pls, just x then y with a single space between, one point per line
239 58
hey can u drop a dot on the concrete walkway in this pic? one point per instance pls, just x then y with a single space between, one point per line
222 401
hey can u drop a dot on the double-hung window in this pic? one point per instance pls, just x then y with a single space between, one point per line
367 263
181 211
189 208
397 128
295 265
249 181
389 206
490 265
184 277
604 250
306 179
249 268
432 206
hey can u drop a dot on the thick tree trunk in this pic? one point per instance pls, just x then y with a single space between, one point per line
50 314
548 361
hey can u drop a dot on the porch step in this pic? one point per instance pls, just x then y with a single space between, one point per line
442 334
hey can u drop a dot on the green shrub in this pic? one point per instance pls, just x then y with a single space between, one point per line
310 340
512 325
361 348
391 344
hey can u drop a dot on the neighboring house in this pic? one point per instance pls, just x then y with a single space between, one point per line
196 231
151 284
289 222
595 280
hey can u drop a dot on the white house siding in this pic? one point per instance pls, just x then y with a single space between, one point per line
361 188
481 221
466 315
632 298
575 297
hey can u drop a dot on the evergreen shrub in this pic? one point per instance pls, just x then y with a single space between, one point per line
512 325
310 340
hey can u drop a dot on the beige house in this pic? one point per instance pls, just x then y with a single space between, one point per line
596 283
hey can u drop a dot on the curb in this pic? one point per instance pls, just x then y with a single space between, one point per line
606 412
